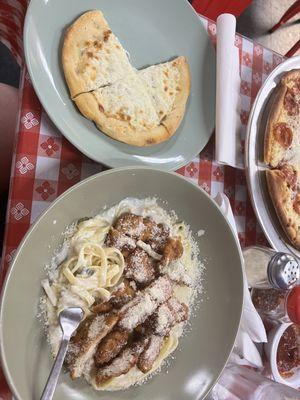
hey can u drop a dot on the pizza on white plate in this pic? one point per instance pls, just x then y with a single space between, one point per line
282 153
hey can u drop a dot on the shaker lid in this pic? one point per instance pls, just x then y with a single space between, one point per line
283 271
293 305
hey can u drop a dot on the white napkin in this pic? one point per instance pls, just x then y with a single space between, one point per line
251 328
227 94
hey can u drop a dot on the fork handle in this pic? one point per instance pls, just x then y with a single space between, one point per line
55 371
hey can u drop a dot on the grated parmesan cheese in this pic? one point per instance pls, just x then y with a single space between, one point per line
147 248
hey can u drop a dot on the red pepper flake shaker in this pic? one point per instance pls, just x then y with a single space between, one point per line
279 305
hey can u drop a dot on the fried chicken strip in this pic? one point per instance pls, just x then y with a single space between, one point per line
119 298
89 334
110 347
157 327
145 303
102 308
169 314
122 363
150 353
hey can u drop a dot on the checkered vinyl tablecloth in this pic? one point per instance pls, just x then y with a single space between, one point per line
45 164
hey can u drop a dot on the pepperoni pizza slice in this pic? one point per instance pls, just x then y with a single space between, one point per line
284 189
282 140
282 153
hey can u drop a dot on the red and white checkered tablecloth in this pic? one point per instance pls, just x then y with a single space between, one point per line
45 164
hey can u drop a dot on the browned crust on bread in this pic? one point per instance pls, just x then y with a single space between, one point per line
86 28
281 195
271 146
174 118
292 75
83 29
117 129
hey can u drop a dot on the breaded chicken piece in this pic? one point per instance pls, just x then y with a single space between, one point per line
120 241
140 267
130 225
102 308
122 363
169 314
110 346
150 353
150 231
159 239
119 298
173 250
157 327
145 303
123 294
83 344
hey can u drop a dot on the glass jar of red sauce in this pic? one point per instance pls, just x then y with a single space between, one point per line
288 351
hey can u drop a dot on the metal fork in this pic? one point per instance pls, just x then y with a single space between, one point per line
69 320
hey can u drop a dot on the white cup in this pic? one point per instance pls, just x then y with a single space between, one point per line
271 348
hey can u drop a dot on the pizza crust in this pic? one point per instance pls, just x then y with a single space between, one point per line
291 77
117 129
273 151
282 198
74 40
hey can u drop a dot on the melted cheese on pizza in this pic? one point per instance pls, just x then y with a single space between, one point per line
162 84
103 61
142 98
285 127
108 90
292 154
128 100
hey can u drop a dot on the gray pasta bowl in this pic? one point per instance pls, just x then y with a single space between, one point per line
202 352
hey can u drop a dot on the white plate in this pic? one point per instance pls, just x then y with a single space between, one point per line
255 167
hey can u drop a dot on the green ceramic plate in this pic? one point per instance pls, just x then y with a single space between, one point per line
153 32
202 352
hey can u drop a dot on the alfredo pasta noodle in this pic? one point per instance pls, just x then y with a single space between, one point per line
92 272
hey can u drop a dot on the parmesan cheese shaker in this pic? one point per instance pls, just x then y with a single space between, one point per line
265 268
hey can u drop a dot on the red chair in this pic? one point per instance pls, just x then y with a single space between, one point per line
213 8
